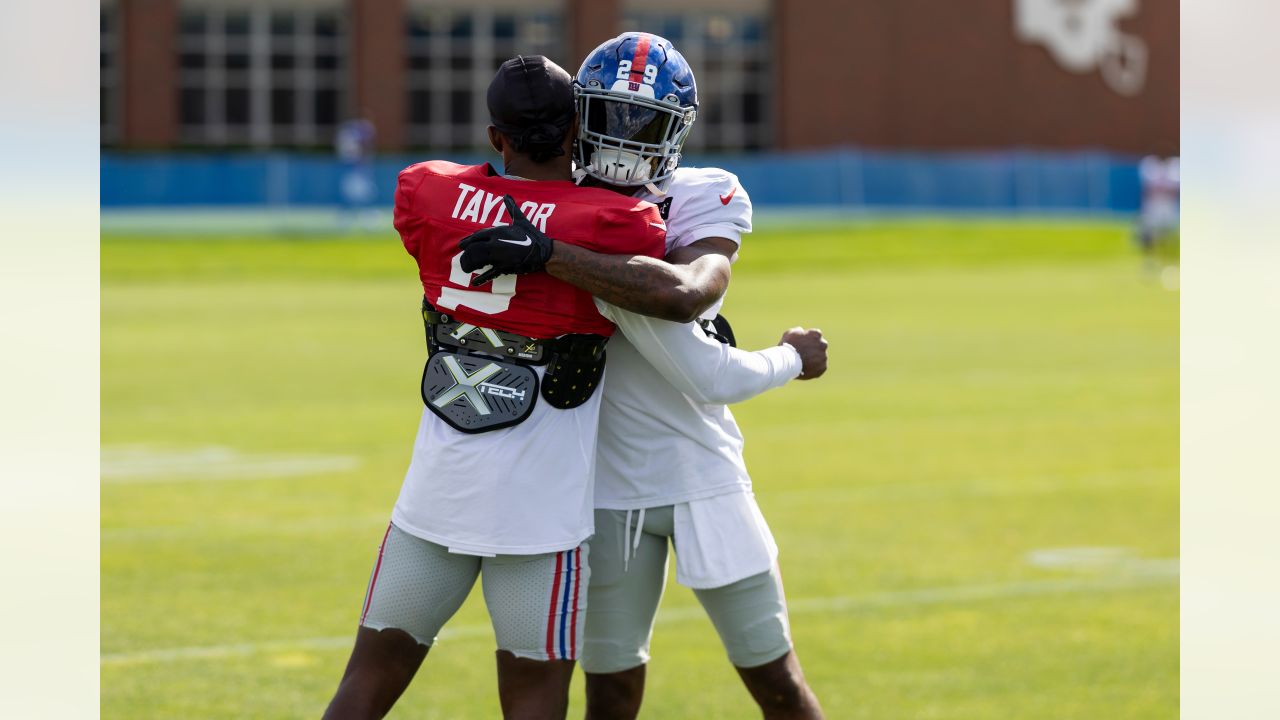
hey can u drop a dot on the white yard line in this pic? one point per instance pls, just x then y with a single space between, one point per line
951 488
374 523
1140 574
134 464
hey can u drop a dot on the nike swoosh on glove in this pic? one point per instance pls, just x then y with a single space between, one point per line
513 249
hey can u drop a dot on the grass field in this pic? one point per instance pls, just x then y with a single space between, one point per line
977 506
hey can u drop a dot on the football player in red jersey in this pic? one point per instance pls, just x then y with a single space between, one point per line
500 483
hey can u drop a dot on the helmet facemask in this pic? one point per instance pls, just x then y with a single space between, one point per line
626 139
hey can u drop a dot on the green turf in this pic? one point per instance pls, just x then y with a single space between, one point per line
995 388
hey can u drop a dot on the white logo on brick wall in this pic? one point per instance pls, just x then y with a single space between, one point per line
1084 36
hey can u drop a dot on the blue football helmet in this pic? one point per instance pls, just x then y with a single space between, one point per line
636 104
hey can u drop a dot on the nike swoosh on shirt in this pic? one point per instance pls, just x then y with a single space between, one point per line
724 199
660 226
527 241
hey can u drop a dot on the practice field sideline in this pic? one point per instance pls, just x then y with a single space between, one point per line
977 506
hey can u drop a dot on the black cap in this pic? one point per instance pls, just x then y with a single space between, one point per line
531 101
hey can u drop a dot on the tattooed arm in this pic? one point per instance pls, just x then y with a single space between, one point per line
678 288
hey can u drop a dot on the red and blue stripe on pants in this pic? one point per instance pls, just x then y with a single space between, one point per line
562 618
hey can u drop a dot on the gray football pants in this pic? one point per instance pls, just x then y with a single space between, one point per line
750 615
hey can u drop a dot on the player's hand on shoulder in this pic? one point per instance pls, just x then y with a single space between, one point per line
812 348
517 248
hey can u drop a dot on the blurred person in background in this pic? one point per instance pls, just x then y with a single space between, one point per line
353 143
1157 231
669 467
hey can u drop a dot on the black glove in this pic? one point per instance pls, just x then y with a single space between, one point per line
517 248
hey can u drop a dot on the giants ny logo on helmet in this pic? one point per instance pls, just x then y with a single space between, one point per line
637 101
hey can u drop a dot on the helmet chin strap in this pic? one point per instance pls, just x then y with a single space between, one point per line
654 189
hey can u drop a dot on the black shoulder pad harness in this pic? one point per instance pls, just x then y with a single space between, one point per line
574 370
719 329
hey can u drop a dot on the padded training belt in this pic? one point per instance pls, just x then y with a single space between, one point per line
574 371
478 379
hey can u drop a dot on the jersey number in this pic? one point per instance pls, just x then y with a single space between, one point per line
650 72
496 299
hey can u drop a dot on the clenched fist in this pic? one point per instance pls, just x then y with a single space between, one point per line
812 348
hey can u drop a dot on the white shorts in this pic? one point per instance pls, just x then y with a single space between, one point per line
720 540
537 603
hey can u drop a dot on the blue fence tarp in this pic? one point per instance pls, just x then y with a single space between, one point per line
992 181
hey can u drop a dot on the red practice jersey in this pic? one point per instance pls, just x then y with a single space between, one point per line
439 203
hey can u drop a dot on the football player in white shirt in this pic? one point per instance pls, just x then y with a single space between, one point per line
669 459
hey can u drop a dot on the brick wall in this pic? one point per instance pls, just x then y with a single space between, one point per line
378 68
928 74
149 72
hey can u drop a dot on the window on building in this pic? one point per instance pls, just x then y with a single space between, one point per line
109 85
452 51
729 52
261 73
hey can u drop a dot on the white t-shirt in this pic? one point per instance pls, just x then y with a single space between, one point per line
664 439
521 490
666 433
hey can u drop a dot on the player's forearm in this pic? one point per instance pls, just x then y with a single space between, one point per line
640 284
707 371
744 375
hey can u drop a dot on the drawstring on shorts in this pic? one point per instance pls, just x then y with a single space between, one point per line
630 547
